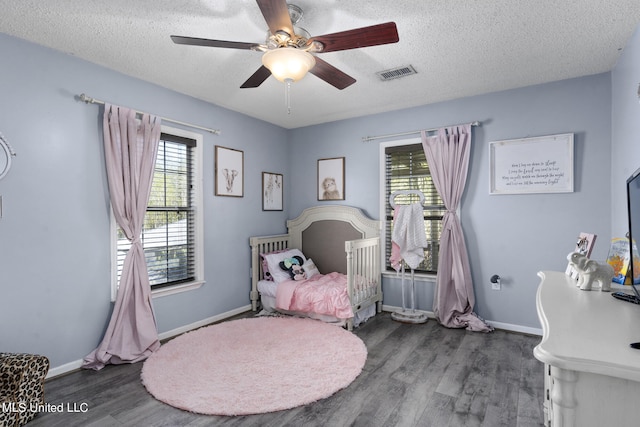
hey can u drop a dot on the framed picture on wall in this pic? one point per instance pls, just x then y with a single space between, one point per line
229 172
542 164
331 179
271 191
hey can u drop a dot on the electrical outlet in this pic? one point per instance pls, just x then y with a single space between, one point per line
495 282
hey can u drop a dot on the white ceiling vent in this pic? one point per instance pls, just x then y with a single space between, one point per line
396 73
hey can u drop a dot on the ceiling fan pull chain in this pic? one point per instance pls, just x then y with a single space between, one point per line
287 94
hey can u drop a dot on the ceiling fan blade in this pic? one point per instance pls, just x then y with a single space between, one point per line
331 74
194 41
257 78
276 13
360 37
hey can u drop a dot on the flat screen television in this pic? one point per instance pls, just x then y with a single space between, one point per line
633 211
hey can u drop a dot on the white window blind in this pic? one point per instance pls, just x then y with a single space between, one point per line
406 168
168 235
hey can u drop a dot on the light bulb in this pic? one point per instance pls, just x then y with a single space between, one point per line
288 63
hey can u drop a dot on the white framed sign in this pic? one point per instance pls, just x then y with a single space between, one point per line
541 164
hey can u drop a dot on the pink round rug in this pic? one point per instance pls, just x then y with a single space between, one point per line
254 365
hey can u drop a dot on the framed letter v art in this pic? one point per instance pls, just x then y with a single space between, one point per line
229 172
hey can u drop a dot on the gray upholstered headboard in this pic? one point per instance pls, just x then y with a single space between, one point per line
320 232
323 241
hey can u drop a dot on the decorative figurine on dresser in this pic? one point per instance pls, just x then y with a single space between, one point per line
590 272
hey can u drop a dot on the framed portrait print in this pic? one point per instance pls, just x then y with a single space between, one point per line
271 191
331 179
229 172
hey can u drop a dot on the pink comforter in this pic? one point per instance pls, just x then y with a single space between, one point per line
322 294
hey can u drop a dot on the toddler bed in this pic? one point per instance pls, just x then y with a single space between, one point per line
338 267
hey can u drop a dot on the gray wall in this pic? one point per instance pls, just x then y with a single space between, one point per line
514 236
54 236
625 129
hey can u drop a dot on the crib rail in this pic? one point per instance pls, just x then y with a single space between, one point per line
363 273
363 269
263 245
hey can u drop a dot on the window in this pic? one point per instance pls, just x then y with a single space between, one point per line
406 168
172 225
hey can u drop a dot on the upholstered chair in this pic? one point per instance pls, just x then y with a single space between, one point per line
21 387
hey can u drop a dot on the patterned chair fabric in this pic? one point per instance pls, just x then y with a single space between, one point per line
21 387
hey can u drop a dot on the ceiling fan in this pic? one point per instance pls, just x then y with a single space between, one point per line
287 50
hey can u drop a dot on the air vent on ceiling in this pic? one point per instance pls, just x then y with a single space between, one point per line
396 73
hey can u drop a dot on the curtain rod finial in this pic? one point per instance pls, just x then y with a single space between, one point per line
85 98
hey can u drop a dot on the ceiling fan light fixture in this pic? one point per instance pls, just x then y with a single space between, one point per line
295 12
288 63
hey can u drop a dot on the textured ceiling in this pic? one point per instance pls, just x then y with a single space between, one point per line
458 48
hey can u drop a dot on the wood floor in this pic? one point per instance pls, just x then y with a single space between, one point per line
415 375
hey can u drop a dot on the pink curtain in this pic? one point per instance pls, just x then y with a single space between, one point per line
130 147
448 157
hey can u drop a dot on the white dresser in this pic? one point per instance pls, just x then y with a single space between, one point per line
592 376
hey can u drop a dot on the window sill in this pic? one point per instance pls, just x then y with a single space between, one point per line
424 277
171 290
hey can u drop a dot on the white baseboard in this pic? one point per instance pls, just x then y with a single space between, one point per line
75 365
64 369
204 322
498 325
515 328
